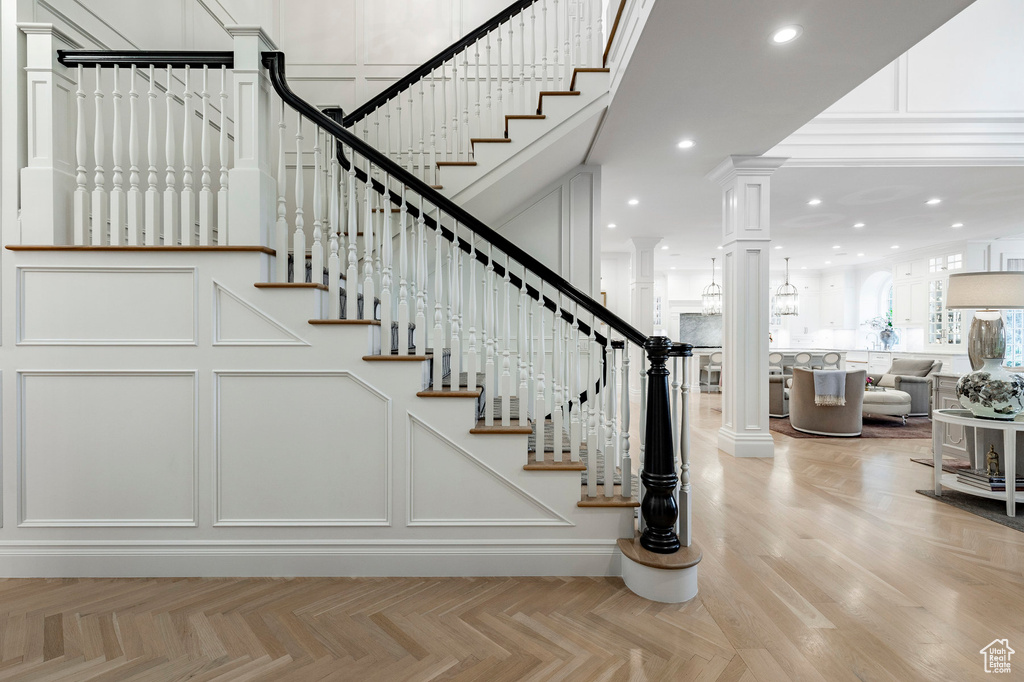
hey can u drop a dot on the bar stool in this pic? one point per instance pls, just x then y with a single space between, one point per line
802 361
775 363
831 361
714 366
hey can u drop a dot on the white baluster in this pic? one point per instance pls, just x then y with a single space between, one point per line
81 210
222 185
685 524
598 59
412 132
488 130
387 129
575 414
557 416
317 248
501 90
567 45
523 354
455 298
135 205
578 59
627 461
490 324
403 284
400 150
424 171
378 217
456 134
444 122
281 226
534 94
352 274
117 198
611 439
675 405
188 205
335 216
152 196
465 136
420 334
376 129
433 131
369 290
556 41
506 360
99 190
479 123
171 205
524 99
205 177
299 236
333 280
472 355
540 401
386 311
642 423
544 46
593 443
589 15
438 349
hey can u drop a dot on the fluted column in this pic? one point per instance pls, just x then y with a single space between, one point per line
746 238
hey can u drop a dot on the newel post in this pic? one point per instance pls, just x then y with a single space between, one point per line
48 179
659 506
253 191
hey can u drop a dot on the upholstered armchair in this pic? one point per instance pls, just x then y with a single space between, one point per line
821 420
911 376
778 395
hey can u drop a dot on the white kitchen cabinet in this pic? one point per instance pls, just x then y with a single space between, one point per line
910 303
911 269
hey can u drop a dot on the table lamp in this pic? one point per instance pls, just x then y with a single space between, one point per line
990 391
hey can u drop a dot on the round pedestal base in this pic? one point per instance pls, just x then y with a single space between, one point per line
667 578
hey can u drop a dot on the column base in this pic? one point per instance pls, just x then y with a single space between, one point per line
666 578
746 445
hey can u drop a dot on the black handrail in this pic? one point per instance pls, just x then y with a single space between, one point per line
163 58
275 64
438 59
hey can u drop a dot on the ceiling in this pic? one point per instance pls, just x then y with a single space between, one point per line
707 71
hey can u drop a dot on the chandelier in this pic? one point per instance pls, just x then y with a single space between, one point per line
786 297
711 297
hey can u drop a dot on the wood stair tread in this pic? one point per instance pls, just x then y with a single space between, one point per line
549 441
347 322
553 93
447 392
572 83
512 428
686 557
489 140
616 500
548 463
455 163
395 358
290 285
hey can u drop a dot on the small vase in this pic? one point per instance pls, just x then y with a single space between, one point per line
992 392
887 337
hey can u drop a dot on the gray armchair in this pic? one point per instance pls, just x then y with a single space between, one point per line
911 376
808 417
778 396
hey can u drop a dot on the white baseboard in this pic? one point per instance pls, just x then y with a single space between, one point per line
299 559
746 445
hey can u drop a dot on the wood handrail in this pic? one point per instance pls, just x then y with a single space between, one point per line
613 32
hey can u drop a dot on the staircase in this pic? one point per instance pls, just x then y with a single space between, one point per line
409 392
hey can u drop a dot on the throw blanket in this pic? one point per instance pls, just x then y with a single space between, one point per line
830 387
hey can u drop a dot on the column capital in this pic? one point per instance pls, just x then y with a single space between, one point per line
252 30
645 243
733 166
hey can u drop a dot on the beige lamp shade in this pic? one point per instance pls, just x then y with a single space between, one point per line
986 290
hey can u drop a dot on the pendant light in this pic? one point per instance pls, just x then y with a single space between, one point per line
711 297
786 297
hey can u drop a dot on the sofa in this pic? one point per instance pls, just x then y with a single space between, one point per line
843 421
911 376
778 395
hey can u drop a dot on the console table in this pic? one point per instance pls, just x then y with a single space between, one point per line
1009 429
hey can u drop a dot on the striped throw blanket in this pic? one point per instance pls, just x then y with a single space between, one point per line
830 387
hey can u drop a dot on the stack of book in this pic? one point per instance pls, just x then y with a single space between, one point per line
979 479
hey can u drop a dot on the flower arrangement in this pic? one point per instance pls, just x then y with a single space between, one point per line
881 322
868 384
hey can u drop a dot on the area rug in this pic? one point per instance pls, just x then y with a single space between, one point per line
950 465
874 427
993 510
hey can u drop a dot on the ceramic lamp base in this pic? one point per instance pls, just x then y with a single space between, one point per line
992 392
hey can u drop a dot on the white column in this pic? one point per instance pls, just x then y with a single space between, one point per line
251 211
746 238
48 178
641 293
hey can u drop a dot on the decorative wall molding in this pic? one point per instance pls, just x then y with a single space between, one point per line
24 459
325 417
221 337
106 296
415 424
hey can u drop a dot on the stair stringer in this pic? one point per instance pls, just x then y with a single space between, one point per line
245 511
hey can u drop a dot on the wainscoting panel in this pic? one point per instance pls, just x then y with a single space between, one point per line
237 322
448 486
285 455
107 448
106 306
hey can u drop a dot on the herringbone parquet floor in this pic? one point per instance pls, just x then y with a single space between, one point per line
822 564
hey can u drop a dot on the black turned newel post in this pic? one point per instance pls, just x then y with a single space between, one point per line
659 475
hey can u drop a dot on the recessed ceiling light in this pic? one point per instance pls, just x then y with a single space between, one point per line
803 267
672 268
634 202
612 226
836 246
685 144
932 202
814 202
720 248
858 224
860 254
777 248
664 248
895 246
828 262
958 224
787 34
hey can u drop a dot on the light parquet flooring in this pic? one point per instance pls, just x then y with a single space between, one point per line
822 564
